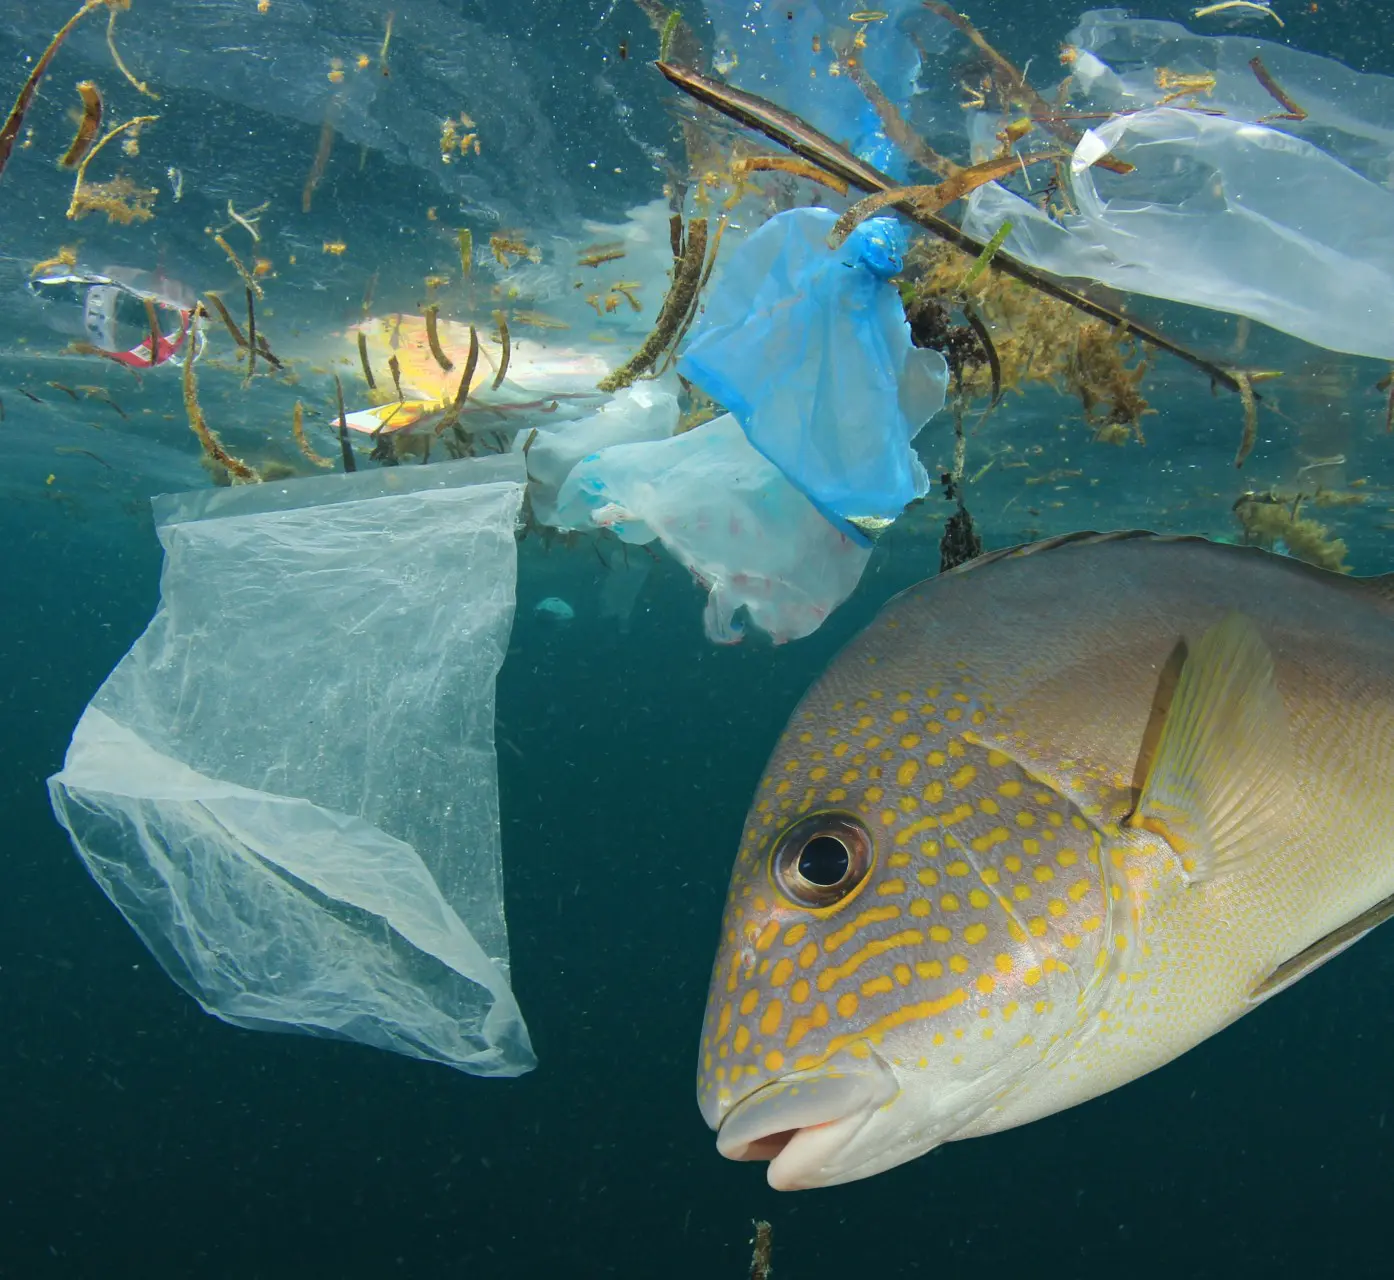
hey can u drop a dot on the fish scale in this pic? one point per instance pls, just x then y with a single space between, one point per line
1060 871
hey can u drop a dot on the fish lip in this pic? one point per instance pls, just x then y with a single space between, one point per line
840 1097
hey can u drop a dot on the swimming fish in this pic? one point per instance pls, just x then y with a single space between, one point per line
1054 818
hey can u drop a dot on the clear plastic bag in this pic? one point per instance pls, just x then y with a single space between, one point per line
1224 214
288 786
1124 63
728 514
809 349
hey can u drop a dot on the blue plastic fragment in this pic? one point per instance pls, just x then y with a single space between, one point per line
809 350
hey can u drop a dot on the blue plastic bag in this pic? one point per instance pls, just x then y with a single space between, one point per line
809 349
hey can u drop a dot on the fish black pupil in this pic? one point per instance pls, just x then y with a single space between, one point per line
824 861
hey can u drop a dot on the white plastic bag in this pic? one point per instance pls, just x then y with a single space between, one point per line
288 786
724 510
647 411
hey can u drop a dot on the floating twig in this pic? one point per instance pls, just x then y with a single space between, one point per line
930 199
892 122
687 275
87 127
507 348
395 369
801 138
994 364
212 446
251 338
247 278
452 415
140 85
363 360
433 340
785 164
297 429
153 321
466 239
1246 396
1290 111
350 462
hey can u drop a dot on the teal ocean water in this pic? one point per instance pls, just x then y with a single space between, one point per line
142 1137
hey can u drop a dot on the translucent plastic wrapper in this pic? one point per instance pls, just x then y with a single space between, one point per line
1123 63
809 349
646 411
1224 214
288 786
728 514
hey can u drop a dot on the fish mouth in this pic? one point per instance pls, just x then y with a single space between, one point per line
802 1122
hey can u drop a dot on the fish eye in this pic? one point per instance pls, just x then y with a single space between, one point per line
821 859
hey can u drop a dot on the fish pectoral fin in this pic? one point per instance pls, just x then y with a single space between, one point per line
1222 759
1322 950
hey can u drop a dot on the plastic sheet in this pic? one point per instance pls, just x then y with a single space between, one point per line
1224 214
288 786
809 349
728 514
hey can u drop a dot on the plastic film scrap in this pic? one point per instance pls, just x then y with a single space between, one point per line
288 785
728 514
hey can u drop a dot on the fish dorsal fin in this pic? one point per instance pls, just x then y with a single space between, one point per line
1222 758
1300 965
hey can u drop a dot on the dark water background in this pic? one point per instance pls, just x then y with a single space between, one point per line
141 1137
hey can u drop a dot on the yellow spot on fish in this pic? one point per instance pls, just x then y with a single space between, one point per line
986 985
975 933
959 964
929 969
878 986
783 970
1026 818
798 993
949 902
964 777
888 887
1009 790
938 933
919 908
928 877
905 775
979 899
847 1004
774 1060
910 741
956 869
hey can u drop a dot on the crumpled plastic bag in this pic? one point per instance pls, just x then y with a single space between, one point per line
645 411
731 517
288 785
1219 213
809 349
